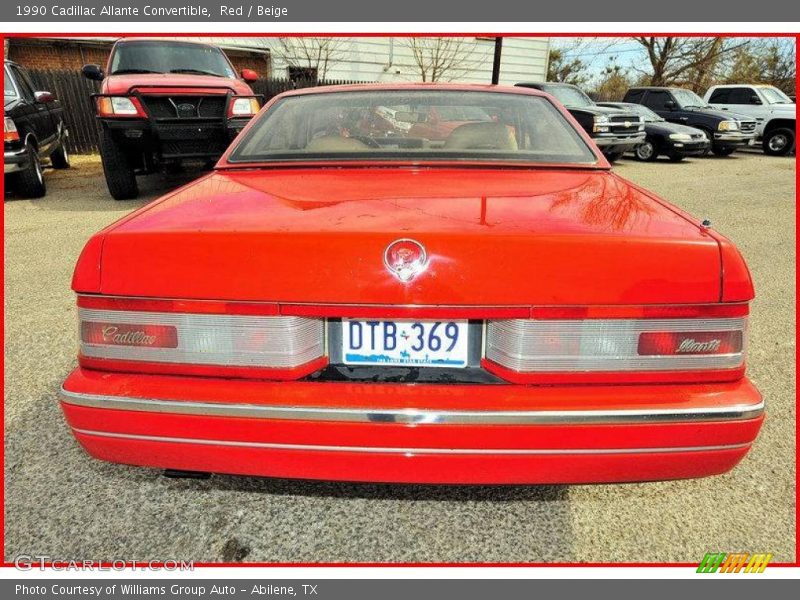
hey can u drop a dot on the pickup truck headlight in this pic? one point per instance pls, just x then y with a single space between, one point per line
680 137
243 107
601 124
729 126
119 106
10 133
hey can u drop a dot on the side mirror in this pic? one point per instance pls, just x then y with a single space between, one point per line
249 75
755 99
43 97
670 105
93 72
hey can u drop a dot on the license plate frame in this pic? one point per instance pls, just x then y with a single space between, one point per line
465 354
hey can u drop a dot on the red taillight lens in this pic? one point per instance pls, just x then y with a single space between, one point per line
630 349
124 334
664 343
207 343
10 133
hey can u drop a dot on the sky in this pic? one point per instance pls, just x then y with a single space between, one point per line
596 52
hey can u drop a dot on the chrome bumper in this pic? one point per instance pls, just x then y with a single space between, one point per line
734 137
620 140
414 416
15 161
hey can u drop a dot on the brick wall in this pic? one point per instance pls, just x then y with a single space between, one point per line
256 62
70 56
56 56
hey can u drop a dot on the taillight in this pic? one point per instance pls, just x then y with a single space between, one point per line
10 133
119 106
243 107
238 345
587 350
98 333
674 343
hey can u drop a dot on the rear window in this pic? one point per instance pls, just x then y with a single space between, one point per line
413 125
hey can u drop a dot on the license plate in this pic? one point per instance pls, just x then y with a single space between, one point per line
405 343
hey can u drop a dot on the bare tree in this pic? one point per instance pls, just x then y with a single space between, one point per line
574 60
765 60
612 82
564 69
315 54
441 58
686 61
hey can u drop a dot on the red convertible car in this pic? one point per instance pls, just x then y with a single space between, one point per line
335 302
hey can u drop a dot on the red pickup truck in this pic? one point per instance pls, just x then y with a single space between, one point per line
166 102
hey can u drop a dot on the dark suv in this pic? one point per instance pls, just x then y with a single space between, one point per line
165 102
726 130
614 131
34 132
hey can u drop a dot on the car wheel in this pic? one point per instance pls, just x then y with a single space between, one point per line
723 150
778 142
613 156
120 176
60 158
646 151
30 182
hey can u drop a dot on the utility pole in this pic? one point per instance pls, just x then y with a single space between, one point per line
498 50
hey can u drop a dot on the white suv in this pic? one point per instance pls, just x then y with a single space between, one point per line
773 111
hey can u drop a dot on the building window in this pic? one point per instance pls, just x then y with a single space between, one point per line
302 73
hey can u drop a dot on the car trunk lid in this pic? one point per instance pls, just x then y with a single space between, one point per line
492 237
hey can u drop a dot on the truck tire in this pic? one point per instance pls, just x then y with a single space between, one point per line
778 141
723 150
60 157
30 182
120 176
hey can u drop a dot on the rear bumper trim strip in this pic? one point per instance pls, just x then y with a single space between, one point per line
400 450
415 416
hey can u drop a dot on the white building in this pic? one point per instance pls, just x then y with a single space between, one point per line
386 59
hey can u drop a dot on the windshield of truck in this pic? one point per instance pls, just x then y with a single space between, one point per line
411 124
169 57
688 99
775 96
568 95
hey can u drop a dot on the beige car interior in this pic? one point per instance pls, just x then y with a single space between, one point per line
481 136
469 136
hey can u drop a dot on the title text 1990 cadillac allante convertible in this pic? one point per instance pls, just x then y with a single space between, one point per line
414 284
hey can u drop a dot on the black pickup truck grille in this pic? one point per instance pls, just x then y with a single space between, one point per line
747 126
184 107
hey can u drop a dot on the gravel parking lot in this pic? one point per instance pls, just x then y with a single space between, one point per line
62 504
